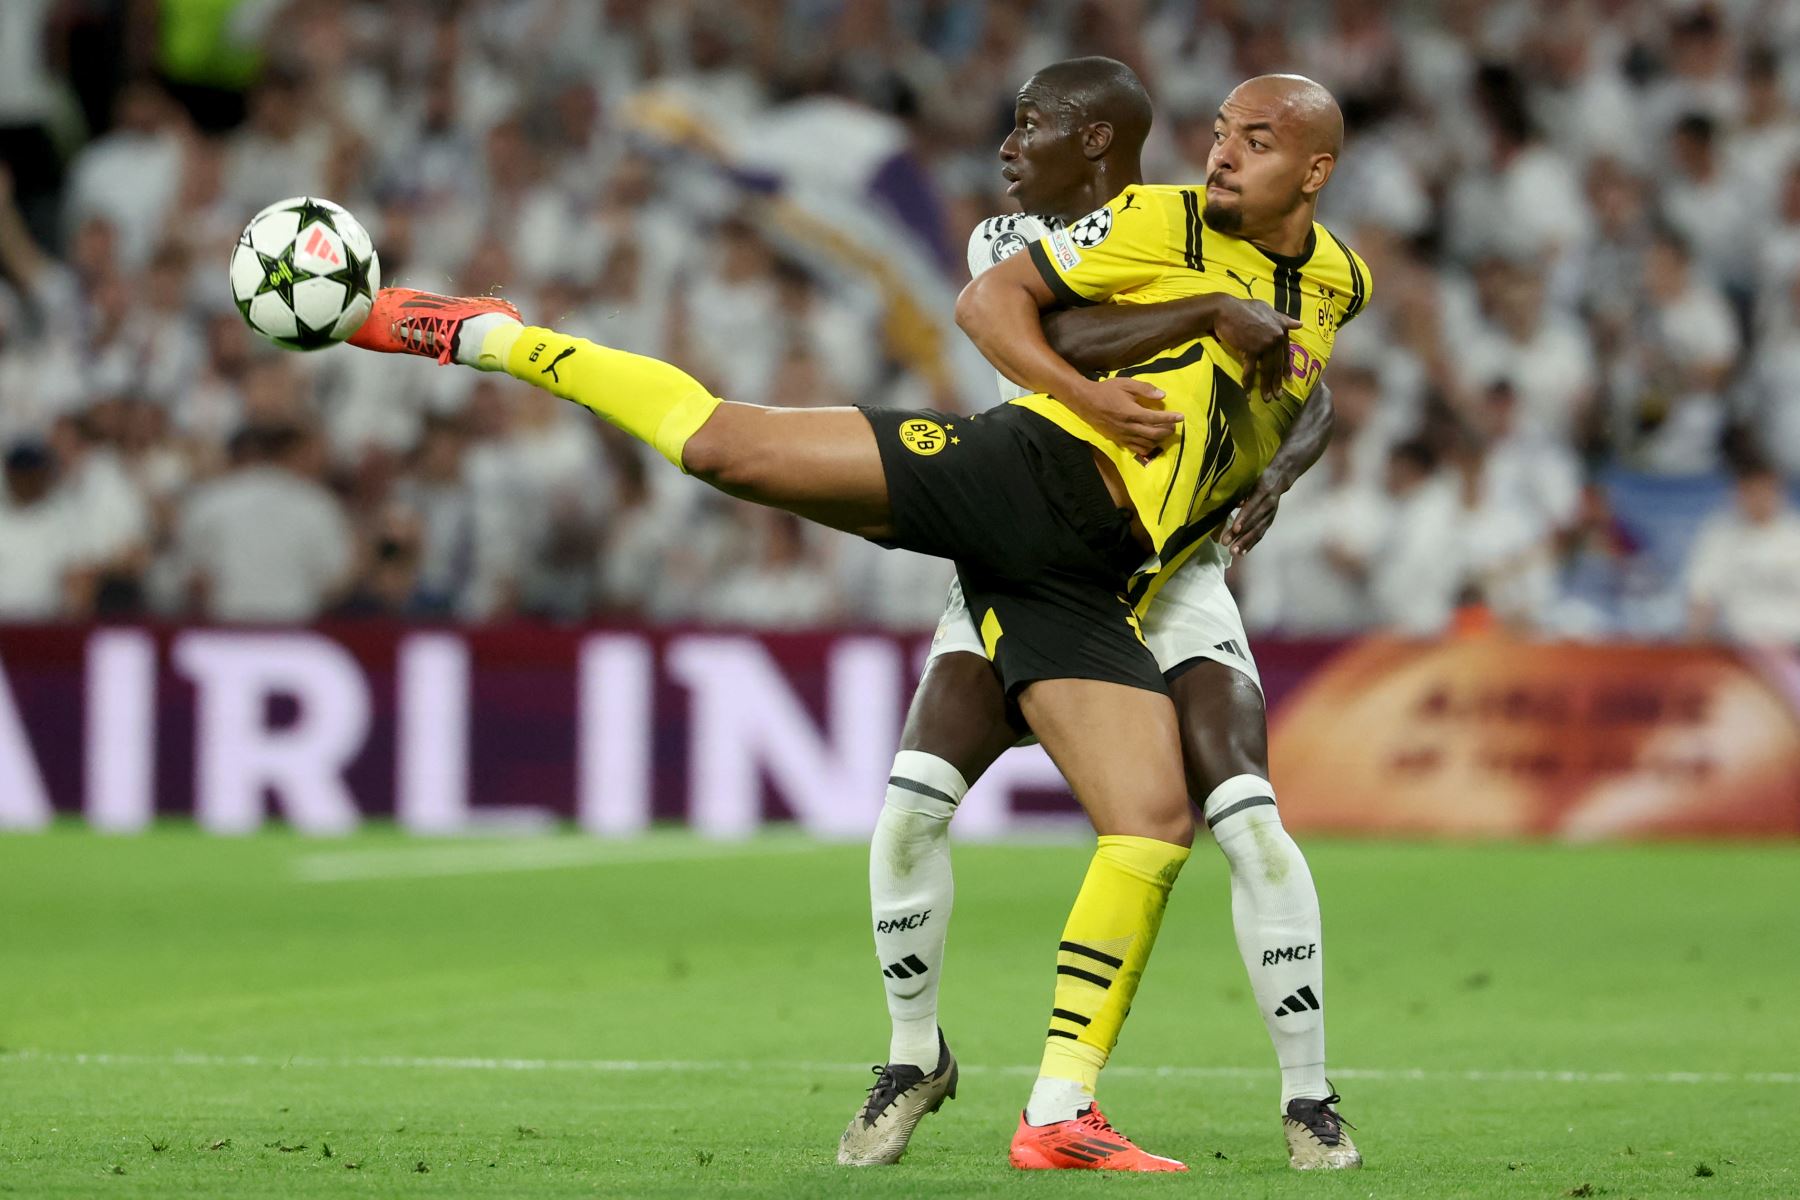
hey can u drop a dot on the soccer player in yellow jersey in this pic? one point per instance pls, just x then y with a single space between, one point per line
1153 243
958 722
1047 521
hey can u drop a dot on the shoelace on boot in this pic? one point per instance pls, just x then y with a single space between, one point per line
432 335
887 1089
1326 1124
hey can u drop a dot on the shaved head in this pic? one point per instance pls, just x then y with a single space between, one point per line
1085 91
1304 106
1275 142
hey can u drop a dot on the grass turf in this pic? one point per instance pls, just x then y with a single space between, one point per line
667 1019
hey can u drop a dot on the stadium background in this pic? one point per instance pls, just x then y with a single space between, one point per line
1573 414
1543 585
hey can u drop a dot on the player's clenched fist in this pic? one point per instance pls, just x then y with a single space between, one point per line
1128 411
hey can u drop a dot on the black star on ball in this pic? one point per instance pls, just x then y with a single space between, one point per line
354 274
311 210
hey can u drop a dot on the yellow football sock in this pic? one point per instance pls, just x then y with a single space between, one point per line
656 403
1104 948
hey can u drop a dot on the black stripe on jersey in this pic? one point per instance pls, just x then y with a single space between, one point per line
1287 291
1359 292
1065 295
1172 362
1197 528
1180 450
1196 231
1221 450
1221 454
1169 362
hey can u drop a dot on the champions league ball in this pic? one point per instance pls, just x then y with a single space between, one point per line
304 273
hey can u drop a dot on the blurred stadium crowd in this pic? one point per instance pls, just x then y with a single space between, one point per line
1574 405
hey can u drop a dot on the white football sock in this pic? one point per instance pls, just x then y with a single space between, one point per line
1054 1100
910 893
1275 912
484 340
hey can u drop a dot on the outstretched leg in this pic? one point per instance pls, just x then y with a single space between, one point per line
822 463
819 463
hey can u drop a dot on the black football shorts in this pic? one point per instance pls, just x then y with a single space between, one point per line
1043 553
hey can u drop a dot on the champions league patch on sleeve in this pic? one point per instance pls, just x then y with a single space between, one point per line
1092 229
1007 244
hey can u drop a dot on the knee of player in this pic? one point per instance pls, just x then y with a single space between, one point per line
1166 823
709 458
1246 825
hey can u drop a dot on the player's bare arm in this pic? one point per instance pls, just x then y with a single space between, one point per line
1000 311
1302 447
1108 337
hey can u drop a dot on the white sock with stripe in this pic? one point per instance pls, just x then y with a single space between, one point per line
910 894
1275 913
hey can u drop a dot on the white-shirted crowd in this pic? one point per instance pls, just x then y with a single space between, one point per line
1573 407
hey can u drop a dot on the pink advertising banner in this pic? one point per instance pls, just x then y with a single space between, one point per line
451 730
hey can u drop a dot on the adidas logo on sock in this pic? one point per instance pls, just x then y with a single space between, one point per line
1301 1001
906 968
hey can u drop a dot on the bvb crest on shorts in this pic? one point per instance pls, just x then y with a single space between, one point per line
922 436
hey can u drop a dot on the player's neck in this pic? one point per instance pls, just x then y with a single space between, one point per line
1290 236
1100 188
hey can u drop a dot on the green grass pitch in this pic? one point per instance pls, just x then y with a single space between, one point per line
186 1016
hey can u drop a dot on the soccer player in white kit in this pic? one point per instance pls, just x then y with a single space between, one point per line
960 720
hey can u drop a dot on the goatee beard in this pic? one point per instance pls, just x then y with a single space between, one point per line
1223 220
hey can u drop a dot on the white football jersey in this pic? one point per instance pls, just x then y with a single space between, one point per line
996 240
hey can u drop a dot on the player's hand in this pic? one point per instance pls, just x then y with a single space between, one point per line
1258 335
1256 513
1129 412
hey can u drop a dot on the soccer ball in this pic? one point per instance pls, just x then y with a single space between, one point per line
304 273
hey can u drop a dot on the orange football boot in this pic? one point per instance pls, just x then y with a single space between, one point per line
408 321
1088 1143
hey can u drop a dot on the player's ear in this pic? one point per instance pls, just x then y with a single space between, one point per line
1095 138
1318 173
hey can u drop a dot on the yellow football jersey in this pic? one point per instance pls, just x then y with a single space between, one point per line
1148 245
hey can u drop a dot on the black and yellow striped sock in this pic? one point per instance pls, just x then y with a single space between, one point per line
1105 945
